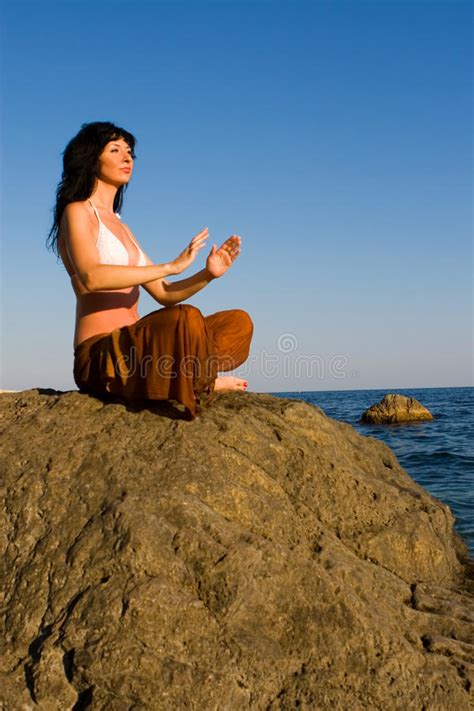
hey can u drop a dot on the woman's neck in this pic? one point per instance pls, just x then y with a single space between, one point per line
103 195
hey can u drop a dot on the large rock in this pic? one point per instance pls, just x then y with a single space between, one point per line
395 408
262 556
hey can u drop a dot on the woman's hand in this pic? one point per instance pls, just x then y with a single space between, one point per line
188 255
219 260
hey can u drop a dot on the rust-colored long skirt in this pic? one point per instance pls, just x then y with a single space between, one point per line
173 353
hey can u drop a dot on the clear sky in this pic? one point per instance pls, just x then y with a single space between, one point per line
333 136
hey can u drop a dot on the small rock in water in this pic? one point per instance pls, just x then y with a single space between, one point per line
395 408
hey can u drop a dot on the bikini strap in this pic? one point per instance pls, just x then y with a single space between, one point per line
95 210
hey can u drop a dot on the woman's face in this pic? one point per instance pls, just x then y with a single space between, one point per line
116 162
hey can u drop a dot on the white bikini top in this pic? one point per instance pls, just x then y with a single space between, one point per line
111 250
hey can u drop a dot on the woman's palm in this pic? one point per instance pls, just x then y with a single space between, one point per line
219 260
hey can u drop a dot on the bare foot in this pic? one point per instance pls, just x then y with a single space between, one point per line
229 382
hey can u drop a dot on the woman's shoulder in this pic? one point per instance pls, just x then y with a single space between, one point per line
77 211
78 207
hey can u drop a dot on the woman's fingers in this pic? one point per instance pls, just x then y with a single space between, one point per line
196 242
230 248
231 242
201 235
194 247
199 239
198 245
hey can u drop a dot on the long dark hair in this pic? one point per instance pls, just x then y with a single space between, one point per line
80 163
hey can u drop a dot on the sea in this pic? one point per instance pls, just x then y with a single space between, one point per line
438 454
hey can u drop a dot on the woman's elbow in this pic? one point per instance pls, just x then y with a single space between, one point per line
89 280
159 295
164 301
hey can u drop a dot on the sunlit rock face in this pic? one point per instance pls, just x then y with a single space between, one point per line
262 556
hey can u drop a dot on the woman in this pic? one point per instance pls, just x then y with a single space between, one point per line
173 353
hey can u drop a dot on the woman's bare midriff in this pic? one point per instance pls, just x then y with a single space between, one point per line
103 311
99 311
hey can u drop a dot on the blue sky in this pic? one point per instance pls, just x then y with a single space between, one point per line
334 137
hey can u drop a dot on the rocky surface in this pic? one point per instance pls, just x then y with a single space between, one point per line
263 556
395 408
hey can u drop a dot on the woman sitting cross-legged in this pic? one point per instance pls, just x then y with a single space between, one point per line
174 353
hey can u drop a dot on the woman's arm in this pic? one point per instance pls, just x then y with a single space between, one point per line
109 277
217 263
82 251
172 293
